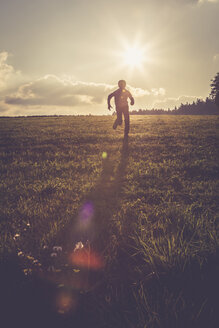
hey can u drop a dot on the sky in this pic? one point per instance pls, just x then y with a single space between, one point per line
66 56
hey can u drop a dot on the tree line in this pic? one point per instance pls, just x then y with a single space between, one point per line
209 106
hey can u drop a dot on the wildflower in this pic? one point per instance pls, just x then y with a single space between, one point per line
57 249
35 261
78 246
17 235
27 271
29 257
53 254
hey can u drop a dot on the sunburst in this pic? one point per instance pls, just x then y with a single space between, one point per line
134 57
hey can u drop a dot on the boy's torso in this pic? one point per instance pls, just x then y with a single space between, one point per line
121 98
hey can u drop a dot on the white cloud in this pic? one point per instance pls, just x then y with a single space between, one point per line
50 90
172 102
6 71
207 1
53 91
183 2
51 94
139 92
9 77
211 1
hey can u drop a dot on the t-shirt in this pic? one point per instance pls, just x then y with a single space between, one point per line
121 97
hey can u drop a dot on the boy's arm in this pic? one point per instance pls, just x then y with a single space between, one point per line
108 100
131 98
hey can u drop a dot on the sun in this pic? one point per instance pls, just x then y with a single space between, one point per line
134 57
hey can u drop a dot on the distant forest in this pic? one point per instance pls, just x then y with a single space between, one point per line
200 107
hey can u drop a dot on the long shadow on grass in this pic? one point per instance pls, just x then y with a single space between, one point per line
99 204
54 297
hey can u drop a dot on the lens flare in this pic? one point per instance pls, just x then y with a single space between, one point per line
86 213
104 155
65 302
87 258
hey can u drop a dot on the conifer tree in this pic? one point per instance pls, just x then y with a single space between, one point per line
215 89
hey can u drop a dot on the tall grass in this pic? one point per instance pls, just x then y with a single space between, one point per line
156 213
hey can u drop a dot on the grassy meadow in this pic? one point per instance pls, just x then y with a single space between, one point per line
98 231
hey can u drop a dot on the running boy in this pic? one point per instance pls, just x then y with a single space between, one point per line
121 96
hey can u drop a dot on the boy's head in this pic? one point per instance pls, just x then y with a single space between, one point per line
122 84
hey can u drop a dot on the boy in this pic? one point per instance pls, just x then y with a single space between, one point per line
121 96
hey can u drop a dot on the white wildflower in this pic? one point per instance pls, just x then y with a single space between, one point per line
17 235
53 254
57 249
78 246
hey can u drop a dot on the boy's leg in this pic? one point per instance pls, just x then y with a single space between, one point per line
126 116
118 120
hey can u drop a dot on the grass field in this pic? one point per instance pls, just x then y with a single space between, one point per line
144 209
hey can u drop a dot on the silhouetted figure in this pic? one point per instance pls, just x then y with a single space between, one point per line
121 96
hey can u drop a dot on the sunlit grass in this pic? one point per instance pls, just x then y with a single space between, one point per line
155 218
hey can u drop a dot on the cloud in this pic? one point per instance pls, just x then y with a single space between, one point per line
172 102
139 92
3 107
9 77
6 71
210 1
191 2
54 91
51 94
197 1
184 2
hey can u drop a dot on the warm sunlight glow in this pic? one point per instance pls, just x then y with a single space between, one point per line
134 57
